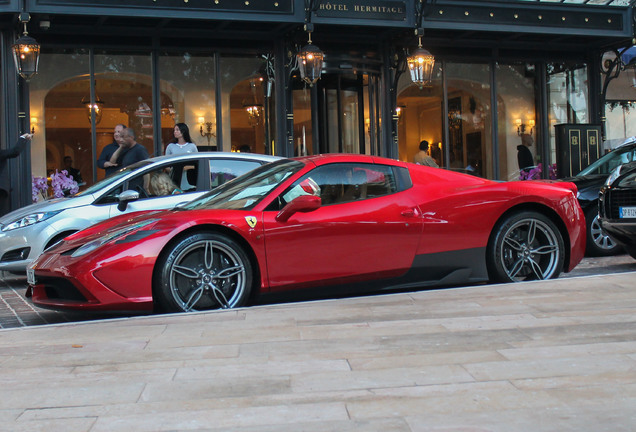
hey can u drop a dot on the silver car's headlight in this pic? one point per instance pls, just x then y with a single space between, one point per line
30 220
91 246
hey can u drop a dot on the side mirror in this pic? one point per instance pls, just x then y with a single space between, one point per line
125 197
302 204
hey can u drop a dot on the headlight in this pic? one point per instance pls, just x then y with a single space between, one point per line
91 246
30 220
613 175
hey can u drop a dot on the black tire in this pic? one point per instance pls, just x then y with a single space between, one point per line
631 250
203 271
598 243
525 246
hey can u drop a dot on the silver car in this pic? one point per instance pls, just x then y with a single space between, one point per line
157 183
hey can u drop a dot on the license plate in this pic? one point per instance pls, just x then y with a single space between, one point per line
30 276
627 212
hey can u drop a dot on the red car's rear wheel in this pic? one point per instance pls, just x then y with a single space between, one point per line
203 271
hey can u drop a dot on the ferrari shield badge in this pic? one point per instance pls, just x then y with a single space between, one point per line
251 221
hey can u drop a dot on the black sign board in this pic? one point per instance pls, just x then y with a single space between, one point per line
363 9
266 6
577 145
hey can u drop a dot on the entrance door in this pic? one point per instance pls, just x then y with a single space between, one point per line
341 113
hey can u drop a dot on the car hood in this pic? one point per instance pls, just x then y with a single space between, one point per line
55 204
584 182
114 224
166 220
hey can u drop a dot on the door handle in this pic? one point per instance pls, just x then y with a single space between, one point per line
408 212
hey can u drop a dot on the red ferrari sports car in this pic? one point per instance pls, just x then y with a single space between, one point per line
347 222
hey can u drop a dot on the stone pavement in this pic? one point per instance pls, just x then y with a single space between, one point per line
555 355
17 311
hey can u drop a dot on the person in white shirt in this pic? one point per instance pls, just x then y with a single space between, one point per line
182 142
423 158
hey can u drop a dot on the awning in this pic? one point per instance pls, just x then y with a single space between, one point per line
628 56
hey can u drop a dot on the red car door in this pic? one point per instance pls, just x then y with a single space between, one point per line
351 240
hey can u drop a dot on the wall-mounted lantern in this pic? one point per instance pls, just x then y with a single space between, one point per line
26 51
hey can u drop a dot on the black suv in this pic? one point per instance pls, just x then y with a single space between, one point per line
589 182
617 206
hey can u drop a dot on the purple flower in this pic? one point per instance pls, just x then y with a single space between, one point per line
61 184
39 188
535 173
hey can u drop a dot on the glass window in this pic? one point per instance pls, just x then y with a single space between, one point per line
607 164
247 101
303 125
341 183
469 118
568 97
170 179
518 152
188 95
59 116
420 116
620 105
224 170
123 82
620 121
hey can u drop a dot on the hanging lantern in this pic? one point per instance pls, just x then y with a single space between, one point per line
310 60
420 64
93 108
26 52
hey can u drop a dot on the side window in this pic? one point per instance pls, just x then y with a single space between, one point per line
163 181
166 180
341 183
112 196
224 170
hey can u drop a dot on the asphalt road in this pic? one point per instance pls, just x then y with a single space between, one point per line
17 311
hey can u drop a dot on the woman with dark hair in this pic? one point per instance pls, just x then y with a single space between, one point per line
182 142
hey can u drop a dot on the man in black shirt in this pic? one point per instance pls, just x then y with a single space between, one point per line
129 151
524 155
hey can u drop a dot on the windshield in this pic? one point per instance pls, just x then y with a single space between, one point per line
606 164
246 191
113 178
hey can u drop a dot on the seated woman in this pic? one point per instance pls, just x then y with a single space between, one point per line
161 184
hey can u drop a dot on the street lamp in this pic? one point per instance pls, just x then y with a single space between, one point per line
420 64
26 51
310 60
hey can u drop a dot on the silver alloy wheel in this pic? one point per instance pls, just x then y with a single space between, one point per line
208 274
600 239
530 250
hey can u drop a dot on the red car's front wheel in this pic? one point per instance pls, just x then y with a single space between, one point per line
525 246
203 271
